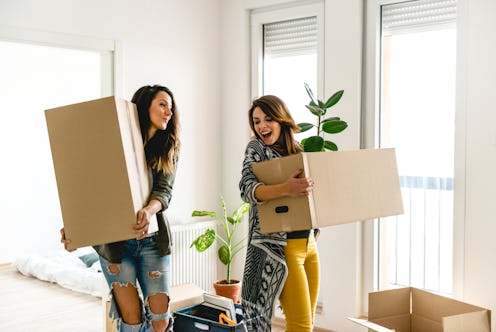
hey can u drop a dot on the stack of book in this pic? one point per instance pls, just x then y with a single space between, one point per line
216 308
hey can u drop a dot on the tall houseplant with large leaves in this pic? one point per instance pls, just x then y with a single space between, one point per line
228 246
329 125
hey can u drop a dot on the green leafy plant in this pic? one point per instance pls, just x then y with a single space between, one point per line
227 248
330 125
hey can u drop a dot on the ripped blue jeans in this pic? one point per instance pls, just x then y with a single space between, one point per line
141 263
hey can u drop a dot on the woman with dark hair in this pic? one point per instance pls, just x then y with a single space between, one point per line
283 265
145 260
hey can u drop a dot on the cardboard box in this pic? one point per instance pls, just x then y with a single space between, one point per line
185 295
348 186
100 167
414 310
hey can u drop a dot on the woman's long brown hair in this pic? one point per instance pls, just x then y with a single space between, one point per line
277 110
162 149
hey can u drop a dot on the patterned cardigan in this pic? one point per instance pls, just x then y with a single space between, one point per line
265 267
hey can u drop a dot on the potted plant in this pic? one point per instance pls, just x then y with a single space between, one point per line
330 125
228 247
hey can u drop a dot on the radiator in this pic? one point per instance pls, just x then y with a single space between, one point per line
188 265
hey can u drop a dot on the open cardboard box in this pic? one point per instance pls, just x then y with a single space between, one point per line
100 168
348 186
413 310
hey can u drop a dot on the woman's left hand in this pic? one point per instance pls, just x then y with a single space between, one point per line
142 223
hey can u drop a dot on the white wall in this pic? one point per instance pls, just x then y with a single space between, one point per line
235 99
475 247
174 43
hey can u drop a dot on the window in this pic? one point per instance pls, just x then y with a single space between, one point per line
416 117
287 49
37 75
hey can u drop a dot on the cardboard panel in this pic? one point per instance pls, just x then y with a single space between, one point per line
396 323
185 295
435 307
354 185
282 214
134 155
478 321
420 324
349 186
370 325
101 178
394 302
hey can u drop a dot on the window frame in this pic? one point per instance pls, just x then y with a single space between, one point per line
261 16
110 51
370 139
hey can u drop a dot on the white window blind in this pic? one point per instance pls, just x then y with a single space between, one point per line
291 37
419 14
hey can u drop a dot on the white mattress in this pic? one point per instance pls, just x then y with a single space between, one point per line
64 268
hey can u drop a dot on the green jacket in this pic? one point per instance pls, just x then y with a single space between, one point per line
161 191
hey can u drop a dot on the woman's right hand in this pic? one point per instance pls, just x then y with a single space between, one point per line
297 186
64 240
294 186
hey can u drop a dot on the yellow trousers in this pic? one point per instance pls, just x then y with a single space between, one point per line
299 295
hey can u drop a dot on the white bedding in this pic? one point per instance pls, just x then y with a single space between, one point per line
64 268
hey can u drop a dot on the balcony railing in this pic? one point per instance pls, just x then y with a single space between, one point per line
416 247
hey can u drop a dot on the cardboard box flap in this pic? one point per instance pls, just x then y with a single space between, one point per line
277 170
401 323
435 307
370 325
389 303
477 321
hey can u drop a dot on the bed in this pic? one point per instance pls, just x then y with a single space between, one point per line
79 271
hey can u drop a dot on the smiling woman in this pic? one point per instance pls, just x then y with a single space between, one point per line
36 77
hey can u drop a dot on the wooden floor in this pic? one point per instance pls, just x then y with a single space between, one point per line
29 304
